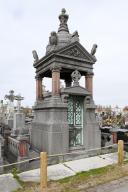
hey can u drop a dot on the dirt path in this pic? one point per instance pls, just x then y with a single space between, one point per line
120 185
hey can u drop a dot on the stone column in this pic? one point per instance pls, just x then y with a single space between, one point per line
39 93
55 81
89 82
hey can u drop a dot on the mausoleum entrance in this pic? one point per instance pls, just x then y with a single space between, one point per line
75 120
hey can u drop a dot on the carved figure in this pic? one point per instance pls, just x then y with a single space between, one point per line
35 56
53 38
93 51
75 34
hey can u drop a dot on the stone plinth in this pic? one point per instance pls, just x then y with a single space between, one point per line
92 133
23 146
10 123
1 155
19 121
50 131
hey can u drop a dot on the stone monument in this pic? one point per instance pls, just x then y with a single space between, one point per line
1 152
19 116
18 142
65 118
10 108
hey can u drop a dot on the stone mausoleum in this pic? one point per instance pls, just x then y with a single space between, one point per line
65 117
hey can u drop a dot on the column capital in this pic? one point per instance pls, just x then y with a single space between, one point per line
89 74
55 68
38 77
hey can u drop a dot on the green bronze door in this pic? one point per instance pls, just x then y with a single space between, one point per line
75 120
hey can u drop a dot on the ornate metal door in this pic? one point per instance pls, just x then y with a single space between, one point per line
75 120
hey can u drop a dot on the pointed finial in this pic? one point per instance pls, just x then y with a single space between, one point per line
63 11
63 17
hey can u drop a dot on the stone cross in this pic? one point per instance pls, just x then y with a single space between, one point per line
76 77
19 99
11 98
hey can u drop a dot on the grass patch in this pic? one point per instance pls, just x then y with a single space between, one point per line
15 173
86 174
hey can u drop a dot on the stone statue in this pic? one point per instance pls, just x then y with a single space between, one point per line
53 38
75 77
93 51
35 56
75 36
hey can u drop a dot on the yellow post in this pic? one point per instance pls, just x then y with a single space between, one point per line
43 171
120 152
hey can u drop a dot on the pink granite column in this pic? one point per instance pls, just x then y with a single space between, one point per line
89 82
23 149
56 81
39 93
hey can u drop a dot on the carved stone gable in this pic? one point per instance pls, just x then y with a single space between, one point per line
77 50
74 52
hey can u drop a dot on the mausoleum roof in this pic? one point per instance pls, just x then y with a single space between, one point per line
61 38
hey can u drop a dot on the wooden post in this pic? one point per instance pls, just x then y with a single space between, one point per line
43 171
120 152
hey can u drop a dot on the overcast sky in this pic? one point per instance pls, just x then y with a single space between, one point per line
26 24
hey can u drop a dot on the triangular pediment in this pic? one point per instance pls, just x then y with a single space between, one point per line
76 90
76 50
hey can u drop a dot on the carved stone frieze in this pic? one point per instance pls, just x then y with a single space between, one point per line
74 52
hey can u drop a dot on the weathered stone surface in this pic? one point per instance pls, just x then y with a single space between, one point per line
33 175
59 171
19 121
55 172
92 162
70 168
8 183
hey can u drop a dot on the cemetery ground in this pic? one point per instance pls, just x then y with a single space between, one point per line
87 181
